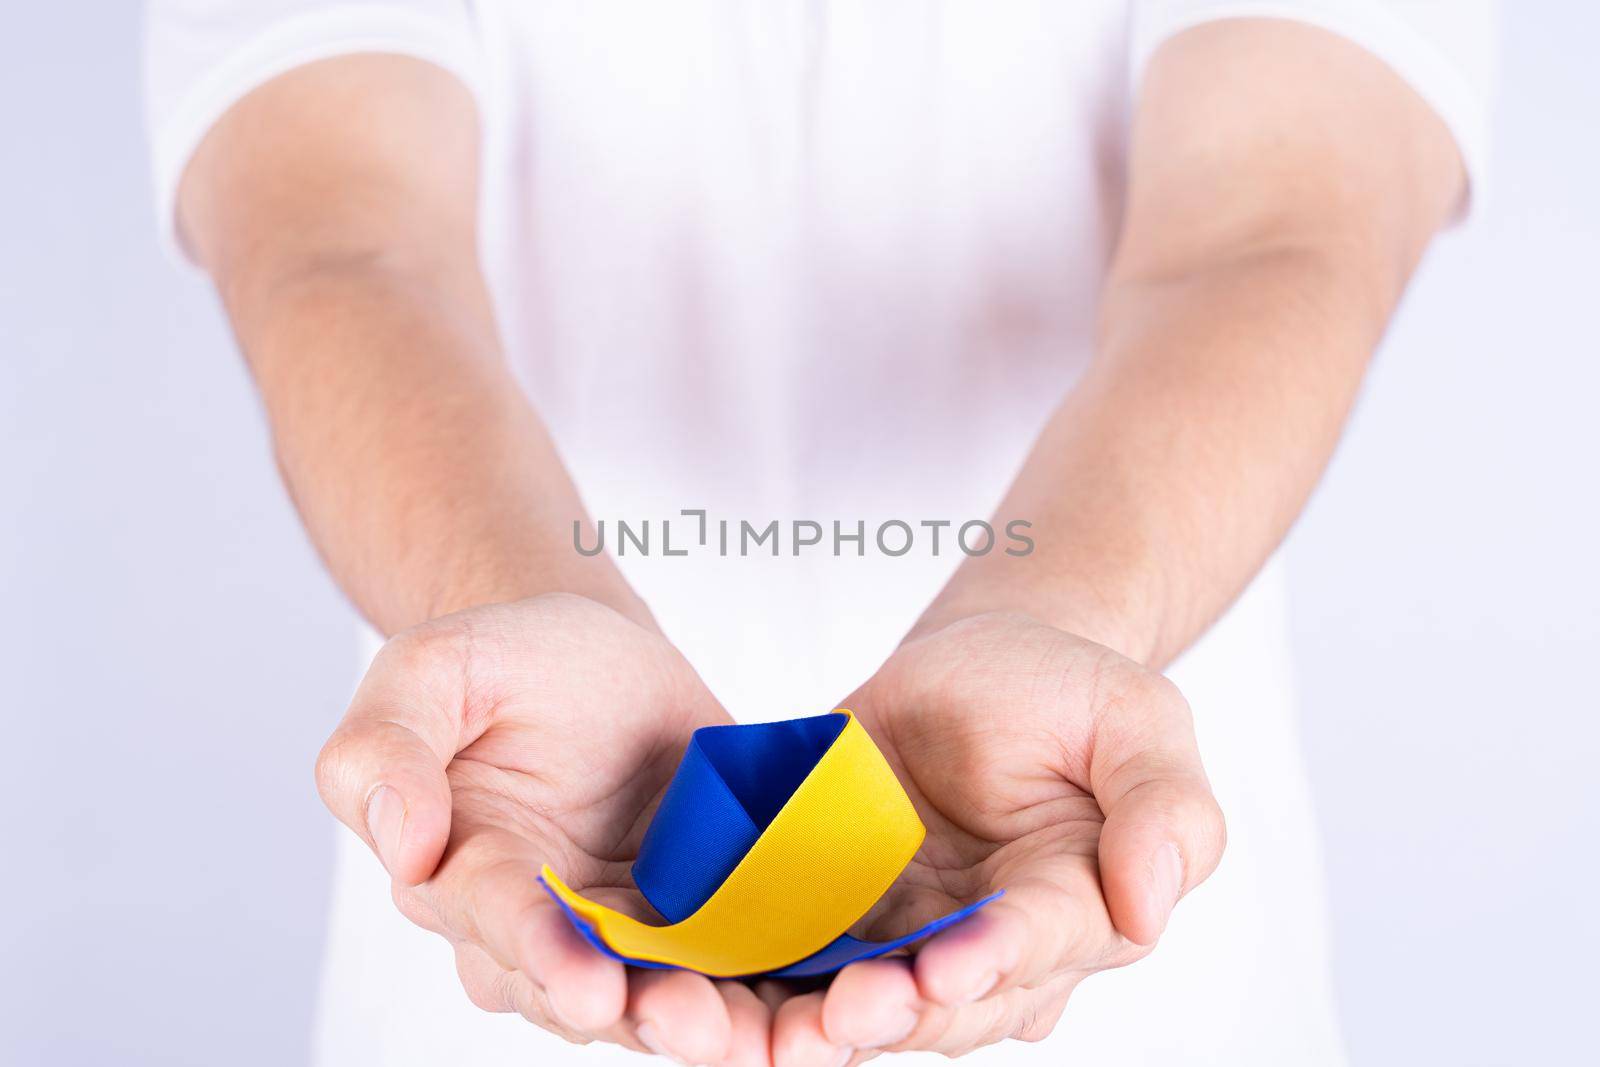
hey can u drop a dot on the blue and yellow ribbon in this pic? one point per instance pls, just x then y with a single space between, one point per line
771 840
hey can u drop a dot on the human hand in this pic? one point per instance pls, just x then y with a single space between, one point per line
485 743
1047 766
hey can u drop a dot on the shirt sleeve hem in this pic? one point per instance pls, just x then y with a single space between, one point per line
1389 38
294 42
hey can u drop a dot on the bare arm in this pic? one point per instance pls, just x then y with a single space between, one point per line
335 207
1283 185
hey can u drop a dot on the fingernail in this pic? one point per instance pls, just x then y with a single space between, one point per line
894 1036
844 1057
980 988
652 1041
1166 869
386 818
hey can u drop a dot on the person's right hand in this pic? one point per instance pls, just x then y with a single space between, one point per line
486 743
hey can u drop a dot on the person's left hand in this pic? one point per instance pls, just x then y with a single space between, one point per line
1045 765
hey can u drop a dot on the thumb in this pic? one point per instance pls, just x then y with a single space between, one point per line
1164 832
382 773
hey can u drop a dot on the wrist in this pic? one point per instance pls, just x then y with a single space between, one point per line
1123 613
504 579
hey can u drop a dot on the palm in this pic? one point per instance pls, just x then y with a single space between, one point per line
585 718
983 742
1044 765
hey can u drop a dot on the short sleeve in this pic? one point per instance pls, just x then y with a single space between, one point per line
201 56
1444 49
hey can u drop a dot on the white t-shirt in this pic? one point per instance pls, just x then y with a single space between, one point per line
827 262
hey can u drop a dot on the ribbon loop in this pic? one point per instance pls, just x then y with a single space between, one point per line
770 842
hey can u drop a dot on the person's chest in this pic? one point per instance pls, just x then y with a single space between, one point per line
804 231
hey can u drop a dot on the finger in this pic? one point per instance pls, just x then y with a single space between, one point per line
382 773
532 1001
680 1015
872 1004
774 993
1025 1014
1161 839
750 1043
798 1039
1052 920
492 988
1039 1010
487 984
1164 832
418 909
487 893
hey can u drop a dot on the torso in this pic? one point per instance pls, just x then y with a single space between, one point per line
799 261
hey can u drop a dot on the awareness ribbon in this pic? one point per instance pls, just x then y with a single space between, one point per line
771 840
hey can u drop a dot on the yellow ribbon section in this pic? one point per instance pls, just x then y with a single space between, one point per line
832 850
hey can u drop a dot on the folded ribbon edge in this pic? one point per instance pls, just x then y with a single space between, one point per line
763 917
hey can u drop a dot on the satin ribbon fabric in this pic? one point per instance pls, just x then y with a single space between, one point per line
771 841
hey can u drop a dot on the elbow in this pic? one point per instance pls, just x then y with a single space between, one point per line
1348 276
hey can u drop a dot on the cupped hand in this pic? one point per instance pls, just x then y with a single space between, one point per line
1044 765
483 744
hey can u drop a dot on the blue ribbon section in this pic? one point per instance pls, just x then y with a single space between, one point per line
729 787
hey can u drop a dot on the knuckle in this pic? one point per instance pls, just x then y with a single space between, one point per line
1039 1022
1073 945
424 651
416 909
1212 826
1042 1012
513 992
978 1025
1125 953
529 1004
325 770
533 1004
1214 822
1162 694
1135 686
331 769
484 987
1029 1027
482 996
1142 705
443 898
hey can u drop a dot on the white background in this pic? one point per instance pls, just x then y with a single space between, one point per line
171 655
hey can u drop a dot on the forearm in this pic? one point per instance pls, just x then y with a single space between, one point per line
1267 237
1177 464
335 207
422 473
